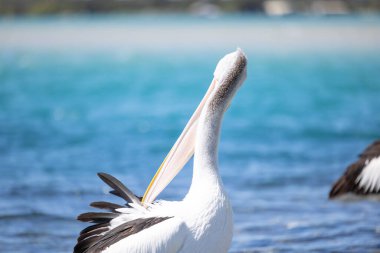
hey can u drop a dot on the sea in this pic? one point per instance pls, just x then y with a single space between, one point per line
81 94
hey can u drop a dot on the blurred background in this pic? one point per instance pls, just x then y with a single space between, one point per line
200 7
91 85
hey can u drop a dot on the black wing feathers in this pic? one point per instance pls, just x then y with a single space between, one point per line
97 231
97 237
119 189
106 205
96 217
94 227
85 244
348 182
123 231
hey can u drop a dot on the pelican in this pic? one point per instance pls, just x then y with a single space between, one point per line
202 221
362 178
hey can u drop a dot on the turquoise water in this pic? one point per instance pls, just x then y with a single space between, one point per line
300 119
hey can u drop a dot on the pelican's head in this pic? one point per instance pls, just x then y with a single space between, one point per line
231 68
229 75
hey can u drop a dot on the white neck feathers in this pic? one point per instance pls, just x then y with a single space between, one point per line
205 172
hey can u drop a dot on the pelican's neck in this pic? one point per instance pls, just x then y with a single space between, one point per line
205 172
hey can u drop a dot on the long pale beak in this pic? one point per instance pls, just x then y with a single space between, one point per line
179 154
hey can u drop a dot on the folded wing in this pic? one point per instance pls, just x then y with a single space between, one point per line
117 222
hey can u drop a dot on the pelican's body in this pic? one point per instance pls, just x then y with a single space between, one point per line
202 221
201 226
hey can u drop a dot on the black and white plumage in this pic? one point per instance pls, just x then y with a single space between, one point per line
202 221
100 236
362 177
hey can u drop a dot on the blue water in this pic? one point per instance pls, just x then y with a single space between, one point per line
299 120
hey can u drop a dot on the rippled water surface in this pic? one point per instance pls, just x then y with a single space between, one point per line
301 118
